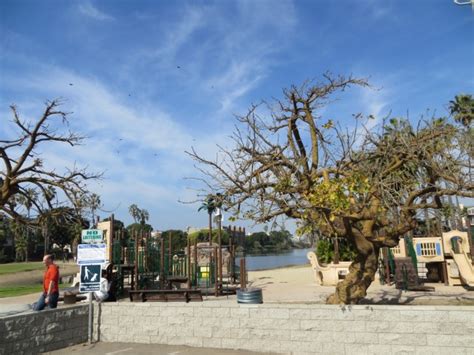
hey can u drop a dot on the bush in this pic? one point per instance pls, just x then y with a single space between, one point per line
4 258
203 236
325 250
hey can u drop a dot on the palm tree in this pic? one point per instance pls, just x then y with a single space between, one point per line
144 216
209 205
134 212
26 199
20 242
462 109
45 219
94 203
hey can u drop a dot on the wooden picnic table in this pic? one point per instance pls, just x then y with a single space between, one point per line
183 294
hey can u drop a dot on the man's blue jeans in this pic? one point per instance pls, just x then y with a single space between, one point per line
53 302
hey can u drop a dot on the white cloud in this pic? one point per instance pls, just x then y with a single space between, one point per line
86 8
279 14
140 151
376 103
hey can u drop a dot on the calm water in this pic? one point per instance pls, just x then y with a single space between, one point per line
272 261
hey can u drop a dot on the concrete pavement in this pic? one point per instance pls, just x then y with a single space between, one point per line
145 349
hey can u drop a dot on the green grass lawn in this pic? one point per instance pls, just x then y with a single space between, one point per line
18 267
11 291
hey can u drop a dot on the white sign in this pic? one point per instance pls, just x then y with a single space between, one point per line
91 254
90 278
92 236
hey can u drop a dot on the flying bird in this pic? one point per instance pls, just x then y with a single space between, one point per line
71 84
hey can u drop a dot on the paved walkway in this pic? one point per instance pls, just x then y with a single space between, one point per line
145 349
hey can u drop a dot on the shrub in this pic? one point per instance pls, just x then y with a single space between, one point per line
325 250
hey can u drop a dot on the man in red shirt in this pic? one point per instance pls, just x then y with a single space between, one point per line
50 294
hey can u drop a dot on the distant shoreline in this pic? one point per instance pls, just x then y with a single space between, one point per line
291 266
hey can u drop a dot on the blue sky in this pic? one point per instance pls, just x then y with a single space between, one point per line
150 79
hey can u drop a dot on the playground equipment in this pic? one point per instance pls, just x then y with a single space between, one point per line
151 268
329 274
460 268
445 258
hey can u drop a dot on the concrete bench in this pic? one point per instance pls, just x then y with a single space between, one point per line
330 274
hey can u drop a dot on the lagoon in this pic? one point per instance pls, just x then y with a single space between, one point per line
276 260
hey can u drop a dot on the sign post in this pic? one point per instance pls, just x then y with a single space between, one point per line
90 278
90 256
92 236
90 282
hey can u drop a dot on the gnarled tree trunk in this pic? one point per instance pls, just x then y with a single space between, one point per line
361 274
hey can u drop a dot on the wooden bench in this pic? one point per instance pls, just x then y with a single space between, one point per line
175 282
184 294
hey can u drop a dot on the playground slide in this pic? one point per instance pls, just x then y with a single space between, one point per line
466 269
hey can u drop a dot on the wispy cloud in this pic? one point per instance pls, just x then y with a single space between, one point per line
379 10
209 51
244 58
177 35
236 81
86 8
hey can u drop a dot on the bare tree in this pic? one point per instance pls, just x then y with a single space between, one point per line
366 187
22 169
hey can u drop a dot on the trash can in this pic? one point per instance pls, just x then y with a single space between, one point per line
249 295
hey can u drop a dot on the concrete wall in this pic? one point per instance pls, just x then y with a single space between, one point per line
292 328
47 330
284 328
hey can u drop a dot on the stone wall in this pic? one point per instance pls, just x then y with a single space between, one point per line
48 330
291 328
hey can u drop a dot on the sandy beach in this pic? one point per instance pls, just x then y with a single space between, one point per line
297 285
